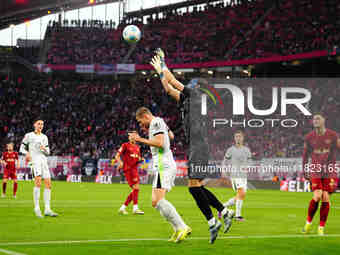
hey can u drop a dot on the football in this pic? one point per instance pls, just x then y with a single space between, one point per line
131 34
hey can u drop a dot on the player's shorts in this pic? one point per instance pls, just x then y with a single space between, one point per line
165 179
238 183
131 176
325 184
40 168
10 174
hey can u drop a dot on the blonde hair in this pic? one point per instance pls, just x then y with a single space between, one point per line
141 111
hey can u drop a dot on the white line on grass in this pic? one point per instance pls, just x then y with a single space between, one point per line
10 252
164 239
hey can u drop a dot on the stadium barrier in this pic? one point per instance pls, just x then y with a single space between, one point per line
131 68
75 169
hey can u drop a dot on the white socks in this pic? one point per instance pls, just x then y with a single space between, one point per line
122 207
168 211
212 222
135 207
230 202
47 199
36 197
238 207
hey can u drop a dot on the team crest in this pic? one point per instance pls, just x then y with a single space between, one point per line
328 141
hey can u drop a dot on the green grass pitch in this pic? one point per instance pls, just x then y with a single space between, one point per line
89 223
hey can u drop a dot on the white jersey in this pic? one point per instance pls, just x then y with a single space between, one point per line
31 143
239 158
162 158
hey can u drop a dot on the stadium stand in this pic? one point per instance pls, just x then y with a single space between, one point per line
206 34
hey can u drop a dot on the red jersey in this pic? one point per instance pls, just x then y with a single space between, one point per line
10 158
130 154
322 150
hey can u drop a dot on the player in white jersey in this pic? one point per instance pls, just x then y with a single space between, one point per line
239 155
35 147
164 166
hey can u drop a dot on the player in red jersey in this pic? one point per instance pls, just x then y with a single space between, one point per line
10 161
320 145
130 152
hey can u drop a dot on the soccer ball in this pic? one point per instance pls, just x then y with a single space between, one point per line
131 34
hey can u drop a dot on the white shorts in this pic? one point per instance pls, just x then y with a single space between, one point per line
40 168
164 180
238 183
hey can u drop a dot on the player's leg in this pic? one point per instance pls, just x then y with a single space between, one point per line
15 184
241 194
167 210
324 211
328 187
135 193
36 194
202 202
241 189
4 184
226 214
47 198
47 192
122 209
313 204
135 190
231 202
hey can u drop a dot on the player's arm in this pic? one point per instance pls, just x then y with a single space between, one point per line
307 150
117 157
45 148
171 135
167 79
16 161
24 146
156 141
2 161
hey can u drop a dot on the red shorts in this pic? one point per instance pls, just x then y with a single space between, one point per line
131 176
325 184
9 173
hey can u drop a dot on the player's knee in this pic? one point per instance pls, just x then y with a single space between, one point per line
317 196
154 203
325 197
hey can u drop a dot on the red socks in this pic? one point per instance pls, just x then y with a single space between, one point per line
313 207
128 199
135 196
4 185
15 188
324 210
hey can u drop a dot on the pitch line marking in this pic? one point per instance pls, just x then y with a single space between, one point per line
161 239
10 252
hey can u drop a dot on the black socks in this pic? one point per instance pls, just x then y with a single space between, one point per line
202 201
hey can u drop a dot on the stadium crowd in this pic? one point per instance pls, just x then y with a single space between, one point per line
207 34
83 118
90 118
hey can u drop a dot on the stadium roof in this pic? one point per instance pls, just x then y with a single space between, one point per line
19 11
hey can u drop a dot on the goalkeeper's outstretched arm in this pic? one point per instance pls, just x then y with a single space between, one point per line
170 84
